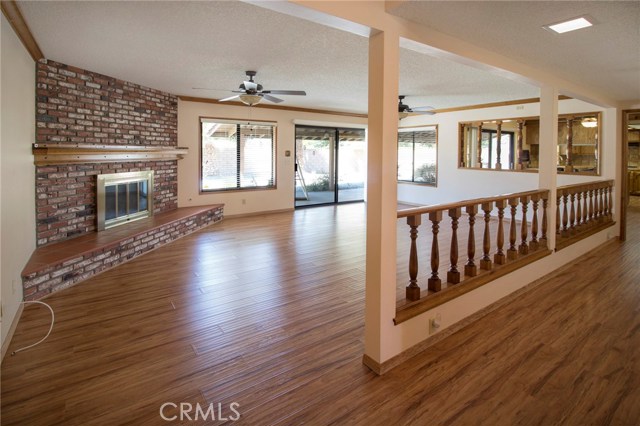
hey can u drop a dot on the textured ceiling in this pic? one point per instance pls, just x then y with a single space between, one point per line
605 56
174 46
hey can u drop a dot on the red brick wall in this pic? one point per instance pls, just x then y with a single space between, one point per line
79 106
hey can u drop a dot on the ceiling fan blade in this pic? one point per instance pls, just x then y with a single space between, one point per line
286 92
272 98
217 90
250 85
209 88
422 108
229 98
423 112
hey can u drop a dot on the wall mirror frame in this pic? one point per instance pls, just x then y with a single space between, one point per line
579 144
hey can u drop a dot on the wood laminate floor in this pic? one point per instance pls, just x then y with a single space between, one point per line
267 312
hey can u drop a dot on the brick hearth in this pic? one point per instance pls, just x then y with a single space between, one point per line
61 265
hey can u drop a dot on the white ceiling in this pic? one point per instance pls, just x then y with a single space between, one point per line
174 46
605 56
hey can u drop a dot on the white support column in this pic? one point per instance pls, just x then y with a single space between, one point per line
548 162
610 155
381 195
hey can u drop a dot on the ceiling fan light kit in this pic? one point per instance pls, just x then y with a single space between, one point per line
252 93
250 100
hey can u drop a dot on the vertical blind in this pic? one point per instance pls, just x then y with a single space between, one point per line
237 155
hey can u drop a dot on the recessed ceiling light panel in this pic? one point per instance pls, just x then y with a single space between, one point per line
570 25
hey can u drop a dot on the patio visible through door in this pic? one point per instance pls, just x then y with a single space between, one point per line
330 165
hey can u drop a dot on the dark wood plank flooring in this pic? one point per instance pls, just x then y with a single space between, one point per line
268 312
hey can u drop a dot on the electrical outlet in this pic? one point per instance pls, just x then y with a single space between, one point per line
244 201
435 323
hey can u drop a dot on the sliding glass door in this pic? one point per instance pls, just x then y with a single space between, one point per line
330 165
352 164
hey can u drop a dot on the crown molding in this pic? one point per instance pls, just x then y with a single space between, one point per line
278 107
496 104
350 114
11 11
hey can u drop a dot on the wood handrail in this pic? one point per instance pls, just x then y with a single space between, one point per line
479 212
586 185
586 208
460 204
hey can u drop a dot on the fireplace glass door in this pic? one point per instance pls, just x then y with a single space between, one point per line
124 197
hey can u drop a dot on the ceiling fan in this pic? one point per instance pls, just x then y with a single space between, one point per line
252 93
405 110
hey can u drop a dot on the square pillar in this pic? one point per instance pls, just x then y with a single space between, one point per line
382 153
548 163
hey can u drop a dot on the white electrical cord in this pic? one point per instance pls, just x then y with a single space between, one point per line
53 319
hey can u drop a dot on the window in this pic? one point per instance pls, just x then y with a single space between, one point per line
237 155
418 155
490 149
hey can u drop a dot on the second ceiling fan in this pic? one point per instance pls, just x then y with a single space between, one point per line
404 110
252 93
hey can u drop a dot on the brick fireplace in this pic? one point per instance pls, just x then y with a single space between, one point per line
76 106
89 124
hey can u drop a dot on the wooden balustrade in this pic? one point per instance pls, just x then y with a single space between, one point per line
581 210
493 257
586 209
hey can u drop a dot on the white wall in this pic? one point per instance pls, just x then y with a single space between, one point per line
456 184
282 198
17 181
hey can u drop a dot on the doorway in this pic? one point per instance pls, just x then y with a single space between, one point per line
631 158
330 165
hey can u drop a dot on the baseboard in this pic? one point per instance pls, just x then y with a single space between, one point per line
261 213
382 368
12 329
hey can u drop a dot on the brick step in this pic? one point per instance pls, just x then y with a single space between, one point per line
57 266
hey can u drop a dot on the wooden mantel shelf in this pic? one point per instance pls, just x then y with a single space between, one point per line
53 154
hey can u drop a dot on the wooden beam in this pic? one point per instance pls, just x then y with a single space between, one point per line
11 11
54 154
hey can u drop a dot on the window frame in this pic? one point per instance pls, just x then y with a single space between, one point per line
274 124
414 129
466 156
512 139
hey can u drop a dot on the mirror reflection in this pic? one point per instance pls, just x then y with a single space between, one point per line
513 144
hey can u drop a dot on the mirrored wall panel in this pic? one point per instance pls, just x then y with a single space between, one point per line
514 144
